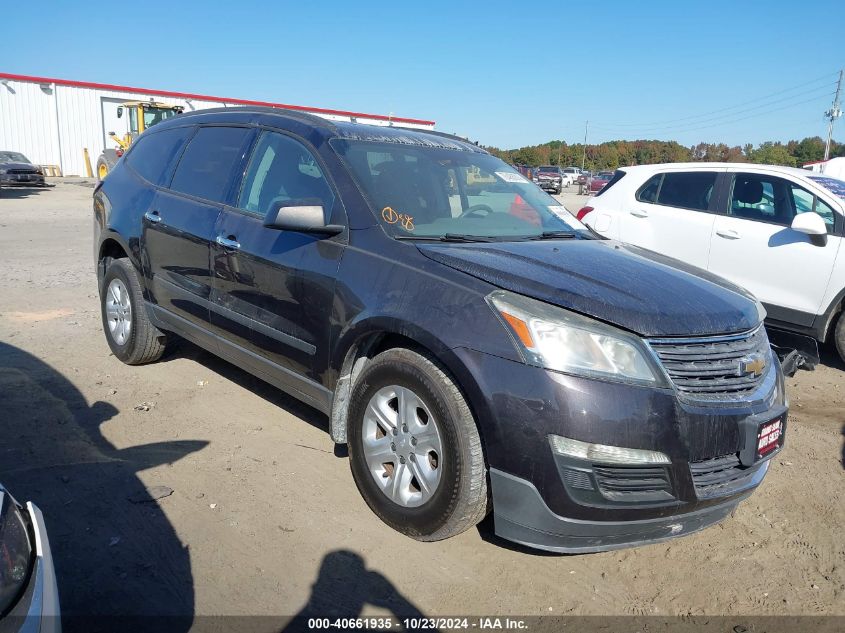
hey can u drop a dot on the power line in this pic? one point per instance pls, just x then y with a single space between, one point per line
827 77
817 92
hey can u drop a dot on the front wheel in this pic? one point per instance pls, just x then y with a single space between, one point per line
414 447
839 335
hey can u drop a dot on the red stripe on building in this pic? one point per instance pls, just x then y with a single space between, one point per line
188 95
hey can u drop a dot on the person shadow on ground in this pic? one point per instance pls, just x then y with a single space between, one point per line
119 563
344 586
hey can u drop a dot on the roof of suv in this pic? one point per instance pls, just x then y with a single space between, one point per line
794 171
328 128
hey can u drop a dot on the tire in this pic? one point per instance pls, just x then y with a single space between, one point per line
839 335
129 332
103 168
458 497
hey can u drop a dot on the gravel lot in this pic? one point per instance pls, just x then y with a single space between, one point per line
258 513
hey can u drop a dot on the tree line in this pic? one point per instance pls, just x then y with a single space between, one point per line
613 154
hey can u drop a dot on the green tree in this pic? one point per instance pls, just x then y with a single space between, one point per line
770 153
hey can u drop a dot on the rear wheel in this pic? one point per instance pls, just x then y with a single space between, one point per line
839 335
129 332
415 451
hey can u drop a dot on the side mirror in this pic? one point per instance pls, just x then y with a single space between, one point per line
810 223
305 216
119 111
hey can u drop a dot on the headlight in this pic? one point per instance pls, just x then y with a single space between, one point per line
561 340
15 552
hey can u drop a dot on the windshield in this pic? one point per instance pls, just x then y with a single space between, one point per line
833 185
552 169
157 115
433 192
12 157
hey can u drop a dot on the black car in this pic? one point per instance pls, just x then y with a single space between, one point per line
476 347
17 171
551 178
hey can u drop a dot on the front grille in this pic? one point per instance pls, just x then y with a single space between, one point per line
634 483
721 476
711 367
22 171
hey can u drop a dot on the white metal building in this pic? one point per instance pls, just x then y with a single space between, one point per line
52 121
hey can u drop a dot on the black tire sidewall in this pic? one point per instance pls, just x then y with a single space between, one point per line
428 518
117 271
839 335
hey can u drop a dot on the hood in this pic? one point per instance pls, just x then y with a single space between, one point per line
632 288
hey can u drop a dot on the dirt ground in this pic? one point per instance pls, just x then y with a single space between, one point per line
258 513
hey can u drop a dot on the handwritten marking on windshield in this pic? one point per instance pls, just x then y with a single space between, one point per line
392 217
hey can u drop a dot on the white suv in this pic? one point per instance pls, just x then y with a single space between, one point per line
776 231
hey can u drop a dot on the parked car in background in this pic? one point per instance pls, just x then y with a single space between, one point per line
551 178
599 181
29 597
776 231
572 173
473 346
584 177
16 170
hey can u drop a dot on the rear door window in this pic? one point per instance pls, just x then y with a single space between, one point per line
211 162
154 155
682 189
687 190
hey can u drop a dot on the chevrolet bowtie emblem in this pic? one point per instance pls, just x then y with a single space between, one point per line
753 365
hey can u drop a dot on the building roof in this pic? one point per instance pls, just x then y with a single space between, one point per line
188 95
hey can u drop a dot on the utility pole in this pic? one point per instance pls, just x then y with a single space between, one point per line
584 155
834 113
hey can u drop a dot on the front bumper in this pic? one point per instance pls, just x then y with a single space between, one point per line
549 501
550 185
21 180
520 515
37 611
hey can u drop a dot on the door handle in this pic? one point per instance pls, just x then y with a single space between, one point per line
228 242
639 213
153 216
728 234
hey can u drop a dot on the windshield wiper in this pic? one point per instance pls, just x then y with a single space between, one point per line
460 237
552 235
449 237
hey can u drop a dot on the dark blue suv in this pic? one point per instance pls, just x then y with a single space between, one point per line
474 344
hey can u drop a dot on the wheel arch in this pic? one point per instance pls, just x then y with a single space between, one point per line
112 246
360 345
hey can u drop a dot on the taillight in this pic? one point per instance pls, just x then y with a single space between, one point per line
119 152
583 212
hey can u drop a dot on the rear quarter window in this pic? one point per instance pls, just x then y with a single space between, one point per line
619 175
154 155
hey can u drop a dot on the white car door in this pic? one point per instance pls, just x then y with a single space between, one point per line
754 246
672 213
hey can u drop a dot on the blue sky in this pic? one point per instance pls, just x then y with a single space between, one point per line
502 73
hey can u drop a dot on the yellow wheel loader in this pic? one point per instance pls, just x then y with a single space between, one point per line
142 114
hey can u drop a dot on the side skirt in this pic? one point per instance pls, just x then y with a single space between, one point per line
301 388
